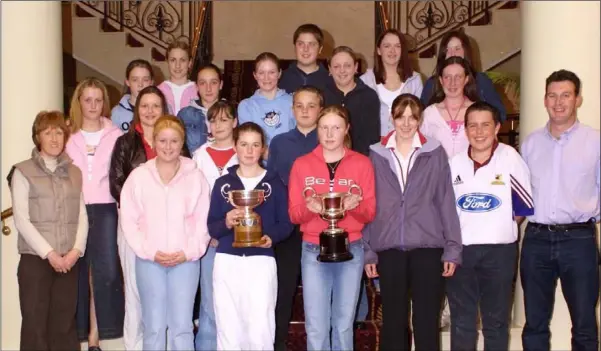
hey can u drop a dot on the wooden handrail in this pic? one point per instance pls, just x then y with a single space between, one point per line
198 29
5 214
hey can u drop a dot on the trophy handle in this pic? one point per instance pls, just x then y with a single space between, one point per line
355 186
314 193
267 190
224 192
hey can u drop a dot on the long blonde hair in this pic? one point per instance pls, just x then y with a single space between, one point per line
75 114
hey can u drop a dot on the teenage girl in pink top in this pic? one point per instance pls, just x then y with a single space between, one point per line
454 92
164 208
178 89
100 306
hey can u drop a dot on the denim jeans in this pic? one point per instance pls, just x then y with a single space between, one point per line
330 292
571 256
167 297
485 280
102 258
206 337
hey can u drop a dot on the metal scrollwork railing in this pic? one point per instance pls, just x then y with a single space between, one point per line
160 22
424 22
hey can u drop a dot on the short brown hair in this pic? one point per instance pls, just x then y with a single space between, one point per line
250 127
45 120
308 28
178 44
220 107
400 104
309 89
341 112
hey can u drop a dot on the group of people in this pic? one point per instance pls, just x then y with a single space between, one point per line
122 219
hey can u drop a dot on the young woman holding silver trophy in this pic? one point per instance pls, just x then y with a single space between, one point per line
332 197
244 272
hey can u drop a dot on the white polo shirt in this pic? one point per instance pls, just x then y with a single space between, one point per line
489 199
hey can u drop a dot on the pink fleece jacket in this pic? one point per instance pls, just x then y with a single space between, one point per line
190 94
166 217
95 190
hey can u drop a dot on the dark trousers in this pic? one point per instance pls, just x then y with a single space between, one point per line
102 258
48 300
485 280
288 260
571 256
414 275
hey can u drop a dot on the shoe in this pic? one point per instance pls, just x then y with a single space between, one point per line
94 348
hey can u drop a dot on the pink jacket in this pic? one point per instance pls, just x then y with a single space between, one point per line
190 94
95 190
165 217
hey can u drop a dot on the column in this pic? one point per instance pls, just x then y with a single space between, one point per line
31 76
557 35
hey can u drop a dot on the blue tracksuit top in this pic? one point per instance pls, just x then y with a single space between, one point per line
123 113
274 116
286 148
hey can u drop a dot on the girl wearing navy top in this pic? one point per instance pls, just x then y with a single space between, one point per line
245 279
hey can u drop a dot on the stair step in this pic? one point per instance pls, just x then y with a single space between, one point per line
81 12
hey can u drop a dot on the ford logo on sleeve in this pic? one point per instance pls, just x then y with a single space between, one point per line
478 202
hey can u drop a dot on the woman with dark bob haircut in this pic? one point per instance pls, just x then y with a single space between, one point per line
50 216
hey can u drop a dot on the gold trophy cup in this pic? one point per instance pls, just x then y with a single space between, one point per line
333 241
248 229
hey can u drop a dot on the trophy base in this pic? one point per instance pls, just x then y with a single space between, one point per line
247 244
334 247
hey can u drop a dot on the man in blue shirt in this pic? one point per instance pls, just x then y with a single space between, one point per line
284 149
560 240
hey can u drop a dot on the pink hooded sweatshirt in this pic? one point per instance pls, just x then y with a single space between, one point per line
95 190
166 217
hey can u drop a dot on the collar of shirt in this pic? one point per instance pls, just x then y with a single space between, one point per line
391 143
565 136
477 164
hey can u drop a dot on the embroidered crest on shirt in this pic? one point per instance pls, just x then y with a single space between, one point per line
498 180
272 119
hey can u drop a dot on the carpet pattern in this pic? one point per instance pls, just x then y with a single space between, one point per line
367 334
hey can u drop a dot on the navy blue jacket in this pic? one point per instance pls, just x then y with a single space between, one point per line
273 212
285 148
486 90
294 78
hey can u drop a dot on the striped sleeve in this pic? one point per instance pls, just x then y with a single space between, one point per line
521 191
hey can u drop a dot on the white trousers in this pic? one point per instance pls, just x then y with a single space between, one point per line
244 294
132 323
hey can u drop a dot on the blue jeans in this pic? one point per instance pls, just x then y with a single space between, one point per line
571 256
206 336
330 292
167 297
102 258
484 279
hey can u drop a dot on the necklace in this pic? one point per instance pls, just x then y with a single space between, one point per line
333 168
458 111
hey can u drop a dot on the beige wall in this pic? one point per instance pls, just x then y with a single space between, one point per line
243 29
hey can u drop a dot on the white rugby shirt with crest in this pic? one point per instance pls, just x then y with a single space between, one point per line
489 198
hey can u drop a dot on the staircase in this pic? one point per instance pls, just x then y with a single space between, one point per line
107 35
493 26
